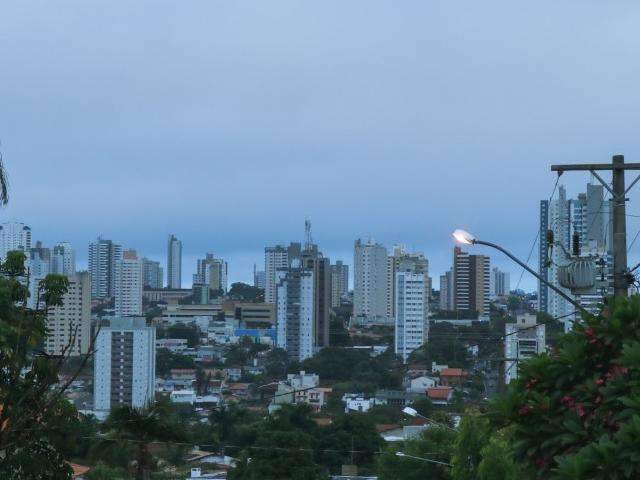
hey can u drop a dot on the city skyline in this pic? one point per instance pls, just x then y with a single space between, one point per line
458 128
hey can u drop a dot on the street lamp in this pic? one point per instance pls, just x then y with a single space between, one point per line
412 412
402 454
466 238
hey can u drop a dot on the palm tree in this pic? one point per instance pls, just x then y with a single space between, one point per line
4 184
141 427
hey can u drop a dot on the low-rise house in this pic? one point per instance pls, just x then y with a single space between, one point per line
420 384
300 388
400 433
396 398
453 377
239 389
182 374
174 345
357 402
183 396
233 374
440 395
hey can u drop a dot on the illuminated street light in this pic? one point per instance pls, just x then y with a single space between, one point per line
464 237
404 455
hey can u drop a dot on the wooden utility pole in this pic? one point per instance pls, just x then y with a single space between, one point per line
619 195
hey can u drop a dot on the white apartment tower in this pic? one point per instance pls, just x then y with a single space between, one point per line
500 283
39 266
124 364
370 282
522 340
14 236
295 311
174 262
276 258
411 326
69 325
103 256
128 285
63 259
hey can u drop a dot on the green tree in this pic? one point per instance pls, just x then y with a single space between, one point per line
189 331
435 443
247 293
139 427
497 461
576 412
166 360
284 448
472 436
32 403
104 472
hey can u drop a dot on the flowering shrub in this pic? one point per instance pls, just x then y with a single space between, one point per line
576 411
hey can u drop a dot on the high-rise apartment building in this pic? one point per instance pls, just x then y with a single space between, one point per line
69 324
411 327
320 266
14 236
589 216
63 259
128 285
103 256
124 364
471 283
153 274
370 282
402 261
212 271
259 278
523 339
500 283
295 309
174 262
276 258
339 282
446 291
39 266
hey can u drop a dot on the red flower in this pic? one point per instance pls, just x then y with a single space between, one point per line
600 381
580 410
524 410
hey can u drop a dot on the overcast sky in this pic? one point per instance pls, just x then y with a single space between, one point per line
227 123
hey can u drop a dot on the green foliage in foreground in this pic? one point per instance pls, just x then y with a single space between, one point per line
575 413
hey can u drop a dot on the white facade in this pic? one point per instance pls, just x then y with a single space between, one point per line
124 364
14 236
38 266
128 285
410 324
420 384
103 256
500 283
370 281
69 325
275 258
357 402
522 340
63 259
174 263
294 313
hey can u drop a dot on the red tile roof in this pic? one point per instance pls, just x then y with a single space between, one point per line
452 372
439 393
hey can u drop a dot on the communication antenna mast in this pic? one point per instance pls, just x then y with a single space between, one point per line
308 240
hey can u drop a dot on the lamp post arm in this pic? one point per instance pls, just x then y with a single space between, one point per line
425 460
534 273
